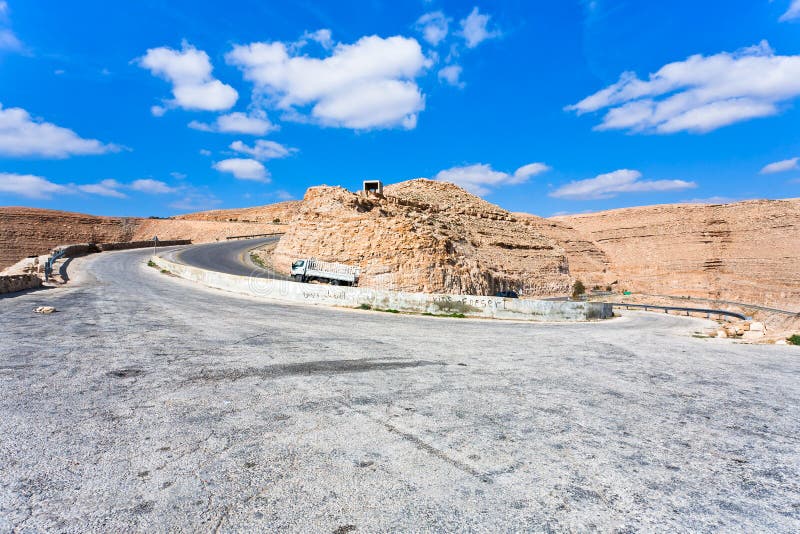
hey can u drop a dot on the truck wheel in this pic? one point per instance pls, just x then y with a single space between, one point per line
298 278
334 282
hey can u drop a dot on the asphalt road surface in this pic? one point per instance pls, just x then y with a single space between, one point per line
150 404
230 257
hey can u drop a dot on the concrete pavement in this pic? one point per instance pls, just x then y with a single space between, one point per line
230 257
148 403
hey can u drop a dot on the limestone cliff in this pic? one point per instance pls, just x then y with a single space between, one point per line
746 251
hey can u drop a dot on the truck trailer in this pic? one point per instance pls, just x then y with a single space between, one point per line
310 270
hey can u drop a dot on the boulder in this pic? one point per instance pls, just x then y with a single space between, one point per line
753 334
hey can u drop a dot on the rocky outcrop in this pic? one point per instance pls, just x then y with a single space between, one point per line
746 251
587 262
425 236
18 282
29 231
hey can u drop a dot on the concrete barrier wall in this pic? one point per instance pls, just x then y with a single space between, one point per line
353 297
124 245
80 249
18 282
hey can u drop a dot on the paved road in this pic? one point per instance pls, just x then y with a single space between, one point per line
151 404
228 257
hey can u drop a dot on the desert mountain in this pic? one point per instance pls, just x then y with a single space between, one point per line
746 251
432 236
31 231
424 235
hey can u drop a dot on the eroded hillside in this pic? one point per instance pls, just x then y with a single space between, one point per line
278 213
31 231
425 236
747 251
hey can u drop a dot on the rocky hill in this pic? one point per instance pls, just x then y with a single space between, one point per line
587 262
31 231
747 251
433 236
426 236
278 213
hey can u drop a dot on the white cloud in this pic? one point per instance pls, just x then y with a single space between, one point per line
37 187
23 136
474 28
710 200
368 84
452 75
282 194
237 122
195 201
204 152
154 187
611 184
480 178
526 171
243 169
322 37
189 71
106 188
434 27
8 41
29 186
793 12
263 150
781 166
700 94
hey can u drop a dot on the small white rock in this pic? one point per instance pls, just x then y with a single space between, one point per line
44 309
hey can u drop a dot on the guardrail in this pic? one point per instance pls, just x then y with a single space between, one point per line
253 236
48 267
667 309
731 302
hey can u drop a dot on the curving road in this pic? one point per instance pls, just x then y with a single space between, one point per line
230 257
147 403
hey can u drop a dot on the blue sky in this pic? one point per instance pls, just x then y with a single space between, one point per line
156 108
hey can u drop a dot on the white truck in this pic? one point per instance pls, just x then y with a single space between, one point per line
309 270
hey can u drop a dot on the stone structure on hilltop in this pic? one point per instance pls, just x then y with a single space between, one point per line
429 236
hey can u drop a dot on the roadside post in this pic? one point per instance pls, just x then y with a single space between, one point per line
155 244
